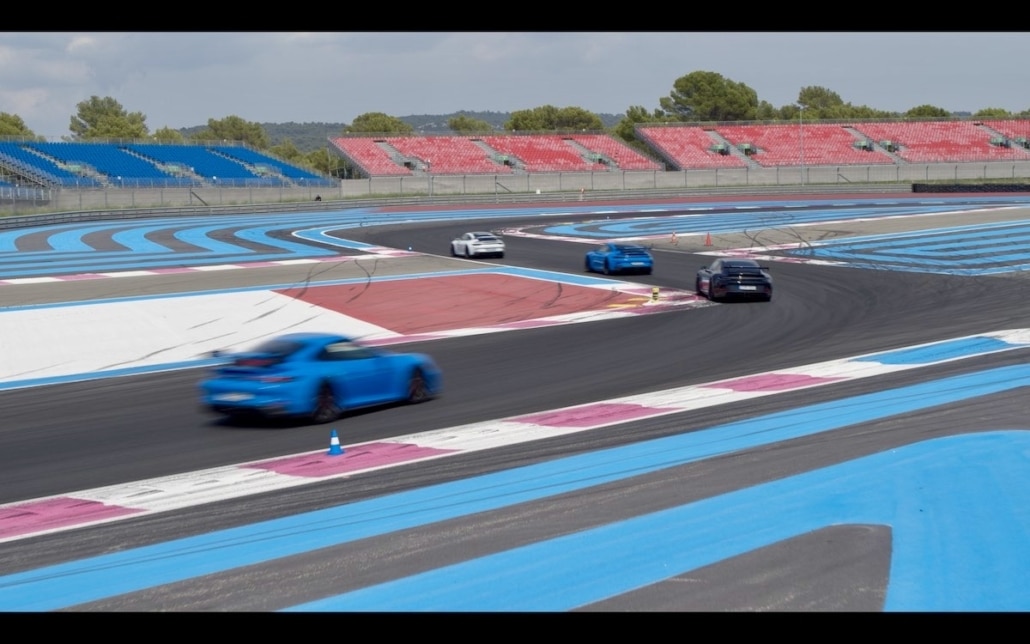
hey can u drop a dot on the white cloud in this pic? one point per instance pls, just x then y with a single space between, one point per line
79 44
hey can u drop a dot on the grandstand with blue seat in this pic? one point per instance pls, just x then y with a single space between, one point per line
263 162
202 162
117 166
41 167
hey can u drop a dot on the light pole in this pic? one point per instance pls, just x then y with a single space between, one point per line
801 135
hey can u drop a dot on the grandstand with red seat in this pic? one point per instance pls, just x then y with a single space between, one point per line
543 153
940 142
802 144
688 147
1017 131
448 154
369 156
624 157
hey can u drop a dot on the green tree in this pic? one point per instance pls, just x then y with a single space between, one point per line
831 111
13 125
927 112
464 124
865 112
819 99
105 118
234 128
707 96
324 162
625 129
331 164
766 111
168 135
577 118
548 118
996 113
378 123
287 151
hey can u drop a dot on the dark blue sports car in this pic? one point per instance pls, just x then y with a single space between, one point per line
317 376
614 257
734 277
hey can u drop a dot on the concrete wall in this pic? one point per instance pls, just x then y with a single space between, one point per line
501 188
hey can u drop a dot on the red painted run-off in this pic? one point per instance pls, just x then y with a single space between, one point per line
429 304
353 459
50 514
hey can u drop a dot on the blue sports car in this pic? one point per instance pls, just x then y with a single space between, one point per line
317 377
613 257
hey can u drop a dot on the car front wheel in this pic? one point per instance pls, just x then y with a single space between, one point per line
326 408
418 388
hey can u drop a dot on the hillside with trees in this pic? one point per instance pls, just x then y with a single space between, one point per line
308 137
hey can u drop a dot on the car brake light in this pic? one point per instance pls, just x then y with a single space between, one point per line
254 362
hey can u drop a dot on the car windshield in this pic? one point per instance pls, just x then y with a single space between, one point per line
742 268
278 347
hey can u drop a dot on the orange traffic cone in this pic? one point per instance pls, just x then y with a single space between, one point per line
708 239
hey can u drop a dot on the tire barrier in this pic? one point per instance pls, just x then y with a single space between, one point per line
971 187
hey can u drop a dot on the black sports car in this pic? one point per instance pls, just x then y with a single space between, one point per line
733 277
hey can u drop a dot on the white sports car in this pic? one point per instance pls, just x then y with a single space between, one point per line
477 244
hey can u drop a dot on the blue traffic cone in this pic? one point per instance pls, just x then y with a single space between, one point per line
334 444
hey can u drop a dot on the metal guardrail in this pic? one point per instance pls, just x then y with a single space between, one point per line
22 221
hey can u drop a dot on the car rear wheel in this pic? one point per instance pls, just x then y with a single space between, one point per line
418 388
607 269
326 408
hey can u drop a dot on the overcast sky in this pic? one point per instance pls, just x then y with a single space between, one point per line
183 79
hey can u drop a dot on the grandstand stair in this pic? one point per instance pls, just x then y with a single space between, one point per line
250 167
590 156
395 154
1015 145
876 146
516 165
734 151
